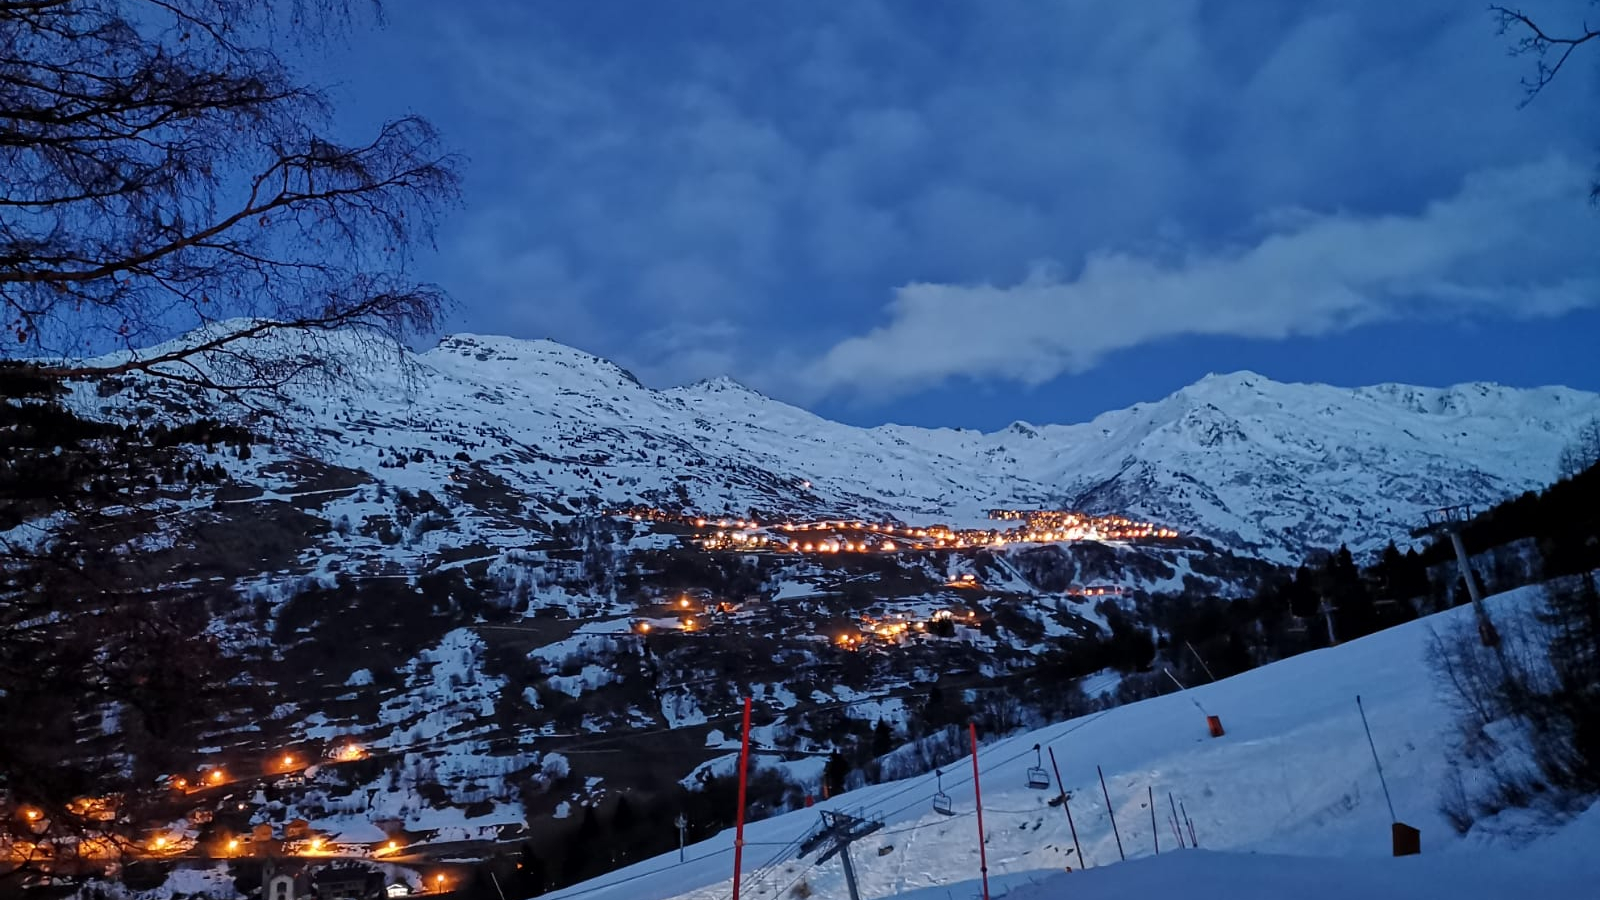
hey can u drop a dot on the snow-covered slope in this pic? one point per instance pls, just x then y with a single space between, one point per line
1262 466
1293 776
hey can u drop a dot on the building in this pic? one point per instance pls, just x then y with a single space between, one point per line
284 879
348 882
292 879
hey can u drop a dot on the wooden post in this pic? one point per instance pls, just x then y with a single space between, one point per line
1082 863
1111 812
1155 833
744 769
1175 826
977 797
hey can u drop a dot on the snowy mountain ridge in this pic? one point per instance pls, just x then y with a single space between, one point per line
1264 467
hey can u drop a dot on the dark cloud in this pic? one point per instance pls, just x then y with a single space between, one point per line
779 188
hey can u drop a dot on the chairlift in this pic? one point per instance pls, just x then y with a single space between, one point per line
1038 778
941 800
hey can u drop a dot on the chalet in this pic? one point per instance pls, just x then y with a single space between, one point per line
284 879
296 829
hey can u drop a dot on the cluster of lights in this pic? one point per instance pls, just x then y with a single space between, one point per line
1051 524
893 629
858 536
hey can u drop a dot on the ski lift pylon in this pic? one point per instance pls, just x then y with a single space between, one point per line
1038 778
941 800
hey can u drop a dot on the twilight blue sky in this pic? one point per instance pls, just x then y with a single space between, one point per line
967 213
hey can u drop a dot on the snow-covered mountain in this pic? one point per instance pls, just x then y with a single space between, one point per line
1264 467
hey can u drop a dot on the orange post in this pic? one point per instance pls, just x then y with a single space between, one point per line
1407 840
977 797
738 834
1215 724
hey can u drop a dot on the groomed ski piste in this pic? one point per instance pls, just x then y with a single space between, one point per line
1287 803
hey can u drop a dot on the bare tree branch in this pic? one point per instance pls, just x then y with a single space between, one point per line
163 176
1535 41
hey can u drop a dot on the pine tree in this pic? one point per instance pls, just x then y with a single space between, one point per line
882 739
834 773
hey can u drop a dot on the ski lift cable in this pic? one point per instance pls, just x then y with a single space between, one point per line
1063 730
778 858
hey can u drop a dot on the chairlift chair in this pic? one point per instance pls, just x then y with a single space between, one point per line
941 800
1038 778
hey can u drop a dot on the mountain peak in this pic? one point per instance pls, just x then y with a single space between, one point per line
540 353
720 384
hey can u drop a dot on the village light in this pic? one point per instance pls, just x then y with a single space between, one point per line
438 881
392 846
215 776
233 845
644 628
288 760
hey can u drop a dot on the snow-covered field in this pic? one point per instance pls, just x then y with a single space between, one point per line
1287 803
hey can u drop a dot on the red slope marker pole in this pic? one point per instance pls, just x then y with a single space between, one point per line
977 796
1111 812
1082 863
744 769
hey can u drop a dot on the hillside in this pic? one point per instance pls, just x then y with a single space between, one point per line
467 600
1293 776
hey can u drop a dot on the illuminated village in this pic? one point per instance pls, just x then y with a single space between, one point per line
857 536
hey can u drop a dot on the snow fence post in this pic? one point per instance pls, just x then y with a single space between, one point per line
1155 833
1111 812
1082 863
